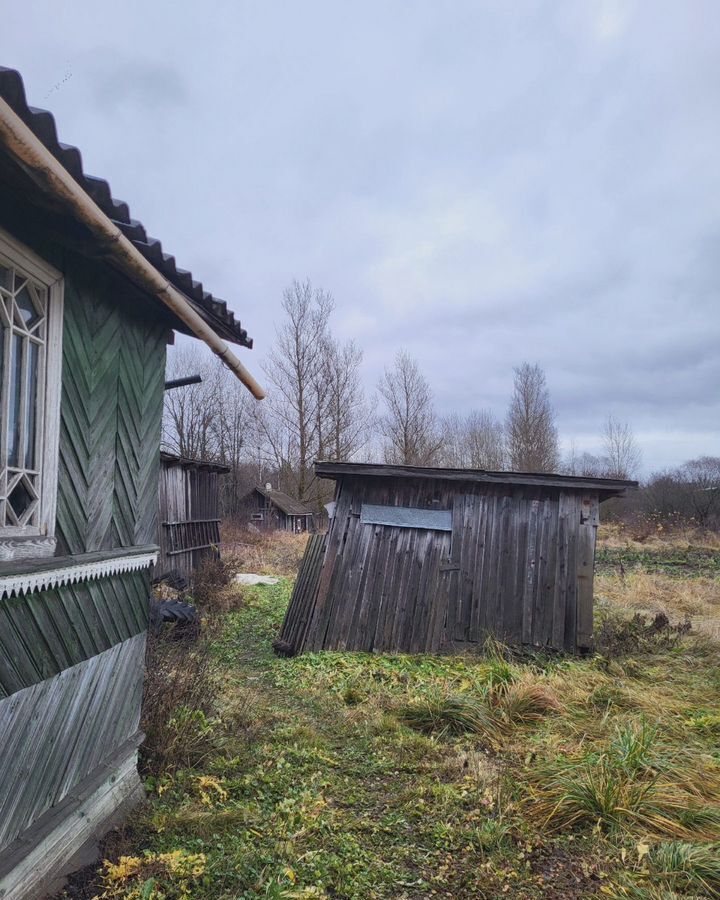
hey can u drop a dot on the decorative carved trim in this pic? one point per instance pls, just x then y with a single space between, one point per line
16 585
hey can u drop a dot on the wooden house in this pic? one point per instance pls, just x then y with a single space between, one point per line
430 560
273 510
87 304
189 515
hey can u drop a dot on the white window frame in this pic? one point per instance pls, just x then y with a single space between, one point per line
32 541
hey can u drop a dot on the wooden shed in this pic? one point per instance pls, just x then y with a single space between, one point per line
430 560
88 303
189 514
273 510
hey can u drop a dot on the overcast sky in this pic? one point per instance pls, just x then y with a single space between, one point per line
480 183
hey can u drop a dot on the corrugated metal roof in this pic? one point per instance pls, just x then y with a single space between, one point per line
287 504
42 124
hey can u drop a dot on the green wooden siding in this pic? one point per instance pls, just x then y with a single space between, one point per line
111 415
43 633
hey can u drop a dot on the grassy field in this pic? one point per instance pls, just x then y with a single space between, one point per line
359 776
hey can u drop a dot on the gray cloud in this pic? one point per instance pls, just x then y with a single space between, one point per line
480 183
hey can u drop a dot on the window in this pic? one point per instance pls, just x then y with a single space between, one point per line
30 336
406 517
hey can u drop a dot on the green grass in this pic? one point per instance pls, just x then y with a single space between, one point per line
365 776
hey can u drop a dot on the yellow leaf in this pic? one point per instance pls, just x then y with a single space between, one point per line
642 850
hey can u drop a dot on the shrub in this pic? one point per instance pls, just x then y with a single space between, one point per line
618 636
178 714
212 587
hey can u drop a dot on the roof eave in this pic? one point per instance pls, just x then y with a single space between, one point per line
610 487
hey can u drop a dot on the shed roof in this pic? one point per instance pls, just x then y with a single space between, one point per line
609 487
287 504
42 124
188 462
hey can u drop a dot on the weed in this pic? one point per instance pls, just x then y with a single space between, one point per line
153 875
616 635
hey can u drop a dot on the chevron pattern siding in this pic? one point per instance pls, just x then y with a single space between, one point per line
111 415
139 420
43 633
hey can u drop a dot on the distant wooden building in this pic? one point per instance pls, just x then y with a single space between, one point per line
430 560
88 303
274 510
189 515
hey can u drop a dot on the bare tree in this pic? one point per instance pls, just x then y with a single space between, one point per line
347 413
189 412
485 441
532 439
453 451
212 420
702 478
586 464
408 424
294 421
476 441
622 455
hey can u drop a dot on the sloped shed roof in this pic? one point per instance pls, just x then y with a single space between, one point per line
42 124
287 504
606 487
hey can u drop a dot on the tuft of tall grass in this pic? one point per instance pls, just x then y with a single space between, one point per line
525 702
629 784
453 714
686 867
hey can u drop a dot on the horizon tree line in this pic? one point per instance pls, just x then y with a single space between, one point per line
317 409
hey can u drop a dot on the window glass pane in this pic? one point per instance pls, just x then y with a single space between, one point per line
20 498
26 306
14 401
31 404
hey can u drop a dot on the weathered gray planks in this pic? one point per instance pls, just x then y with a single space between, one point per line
58 730
517 565
34 862
189 529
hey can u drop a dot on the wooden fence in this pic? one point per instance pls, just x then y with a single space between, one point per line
189 515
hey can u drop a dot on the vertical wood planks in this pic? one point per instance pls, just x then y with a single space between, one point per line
517 565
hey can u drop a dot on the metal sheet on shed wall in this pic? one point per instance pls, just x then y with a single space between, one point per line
406 517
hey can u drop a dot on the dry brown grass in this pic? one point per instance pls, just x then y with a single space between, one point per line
653 592
263 552
647 535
